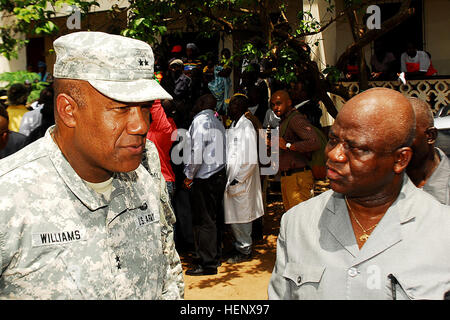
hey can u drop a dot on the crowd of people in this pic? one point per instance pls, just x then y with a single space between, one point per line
139 166
218 187
21 124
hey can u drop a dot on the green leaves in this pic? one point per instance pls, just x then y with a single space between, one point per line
48 28
286 65
332 73
307 23
31 17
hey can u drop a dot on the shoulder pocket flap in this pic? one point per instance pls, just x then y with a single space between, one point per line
301 274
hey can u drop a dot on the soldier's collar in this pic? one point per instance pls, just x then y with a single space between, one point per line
86 195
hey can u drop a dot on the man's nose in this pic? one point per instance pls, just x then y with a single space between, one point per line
138 122
336 153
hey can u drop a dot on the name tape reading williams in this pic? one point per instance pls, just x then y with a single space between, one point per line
56 238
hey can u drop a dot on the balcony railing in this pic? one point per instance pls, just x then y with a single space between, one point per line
436 91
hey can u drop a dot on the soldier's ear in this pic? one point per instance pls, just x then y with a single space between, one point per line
65 107
402 158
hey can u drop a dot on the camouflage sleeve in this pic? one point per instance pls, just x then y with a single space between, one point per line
173 287
1 252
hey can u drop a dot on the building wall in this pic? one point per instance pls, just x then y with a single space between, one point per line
437 40
21 62
323 45
13 64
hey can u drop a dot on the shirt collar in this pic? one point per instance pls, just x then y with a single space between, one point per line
206 111
301 104
401 206
237 123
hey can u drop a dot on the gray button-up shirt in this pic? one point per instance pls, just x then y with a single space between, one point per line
207 142
59 239
438 185
318 257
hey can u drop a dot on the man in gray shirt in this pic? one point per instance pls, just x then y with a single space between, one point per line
206 178
429 167
374 235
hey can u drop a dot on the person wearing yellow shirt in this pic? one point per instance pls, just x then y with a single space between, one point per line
17 98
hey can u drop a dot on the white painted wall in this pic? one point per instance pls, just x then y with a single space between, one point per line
437 38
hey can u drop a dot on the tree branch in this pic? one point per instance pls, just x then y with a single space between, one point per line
219 20
242 10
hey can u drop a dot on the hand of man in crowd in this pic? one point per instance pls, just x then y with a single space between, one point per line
282 144
375 75
187 183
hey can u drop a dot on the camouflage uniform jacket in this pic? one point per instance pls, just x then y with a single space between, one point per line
59 239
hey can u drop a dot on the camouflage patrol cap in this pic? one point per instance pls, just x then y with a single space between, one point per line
120 68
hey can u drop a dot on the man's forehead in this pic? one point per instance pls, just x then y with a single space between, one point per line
275 96
352 129
279 96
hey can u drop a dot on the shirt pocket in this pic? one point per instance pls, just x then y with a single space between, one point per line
411 287
304 279
238 189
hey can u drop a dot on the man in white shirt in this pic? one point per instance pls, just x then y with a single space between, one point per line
33 119
416 63
271 120
243 197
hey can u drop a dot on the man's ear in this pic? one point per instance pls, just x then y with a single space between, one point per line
431 134
65 107
402 157
4 138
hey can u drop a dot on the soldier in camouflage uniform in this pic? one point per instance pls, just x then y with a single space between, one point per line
61 235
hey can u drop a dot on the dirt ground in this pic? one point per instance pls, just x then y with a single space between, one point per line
242 281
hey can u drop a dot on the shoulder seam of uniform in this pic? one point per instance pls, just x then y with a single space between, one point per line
20 163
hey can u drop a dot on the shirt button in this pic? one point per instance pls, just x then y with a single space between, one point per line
352 272
144 206
299 279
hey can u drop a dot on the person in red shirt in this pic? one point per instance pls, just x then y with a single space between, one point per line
162 127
